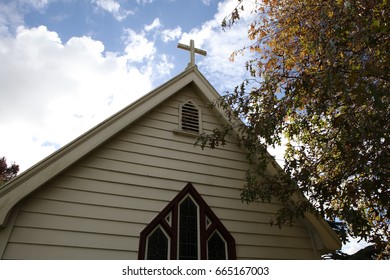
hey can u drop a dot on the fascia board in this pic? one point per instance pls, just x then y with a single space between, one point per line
329 238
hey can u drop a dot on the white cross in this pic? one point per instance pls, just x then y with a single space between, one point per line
192 50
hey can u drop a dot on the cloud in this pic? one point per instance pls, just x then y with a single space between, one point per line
164 66
167 35
53 91
171 34
142 51
10 16
36 4
143 2
59 17
18 7
154 25
138 47
114 8
12 13
354 245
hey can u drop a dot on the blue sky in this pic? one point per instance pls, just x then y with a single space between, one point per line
107 20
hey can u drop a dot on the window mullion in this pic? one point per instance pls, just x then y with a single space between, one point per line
202 233
175 239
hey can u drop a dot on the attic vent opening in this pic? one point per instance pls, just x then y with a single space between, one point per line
190 117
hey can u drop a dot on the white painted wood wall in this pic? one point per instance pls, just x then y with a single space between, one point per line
97 208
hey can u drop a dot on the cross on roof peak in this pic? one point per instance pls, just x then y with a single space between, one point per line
191 48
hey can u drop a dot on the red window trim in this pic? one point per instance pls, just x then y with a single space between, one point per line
172 231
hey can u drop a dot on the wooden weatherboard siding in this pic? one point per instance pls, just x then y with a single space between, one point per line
97 208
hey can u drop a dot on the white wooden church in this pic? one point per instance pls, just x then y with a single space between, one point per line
136 187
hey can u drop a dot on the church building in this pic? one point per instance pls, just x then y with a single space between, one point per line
136 187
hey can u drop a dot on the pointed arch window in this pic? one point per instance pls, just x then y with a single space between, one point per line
186 229
216 247
157 245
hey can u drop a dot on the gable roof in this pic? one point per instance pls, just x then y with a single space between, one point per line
48 168
33 178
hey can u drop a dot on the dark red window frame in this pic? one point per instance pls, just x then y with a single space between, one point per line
172 230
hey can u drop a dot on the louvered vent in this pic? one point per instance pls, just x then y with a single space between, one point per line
190 117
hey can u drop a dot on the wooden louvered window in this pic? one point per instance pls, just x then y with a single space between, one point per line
190 117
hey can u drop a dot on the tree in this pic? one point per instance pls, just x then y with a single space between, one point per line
321 82
7 172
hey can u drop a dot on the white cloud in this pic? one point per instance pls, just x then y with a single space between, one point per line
138 46
142 51
108 5
12 13
164 66
51 92
206 2
143 2
114 8
354 245
171 34
155 24
37 4
10 16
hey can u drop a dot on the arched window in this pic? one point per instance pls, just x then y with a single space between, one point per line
186 229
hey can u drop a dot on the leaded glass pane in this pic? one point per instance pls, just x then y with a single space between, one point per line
157 246
188 230
216 247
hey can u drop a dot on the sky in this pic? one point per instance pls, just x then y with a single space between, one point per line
66 65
